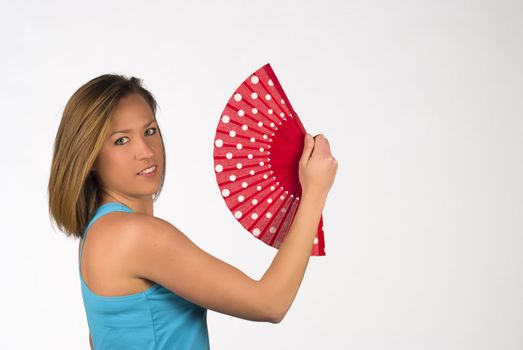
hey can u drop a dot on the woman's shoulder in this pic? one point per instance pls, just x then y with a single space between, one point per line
130 241
120 225
108 269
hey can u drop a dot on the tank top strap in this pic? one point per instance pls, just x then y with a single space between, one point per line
101 211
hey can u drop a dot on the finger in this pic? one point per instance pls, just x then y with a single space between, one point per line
322 146
308 146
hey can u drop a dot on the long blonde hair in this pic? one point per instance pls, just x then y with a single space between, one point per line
73 190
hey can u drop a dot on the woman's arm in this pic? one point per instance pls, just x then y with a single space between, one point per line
283 278
156 250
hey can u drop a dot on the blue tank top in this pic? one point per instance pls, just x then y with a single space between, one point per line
156 318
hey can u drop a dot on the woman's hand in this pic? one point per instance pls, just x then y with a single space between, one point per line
318 167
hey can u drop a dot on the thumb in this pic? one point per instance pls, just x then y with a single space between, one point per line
308 146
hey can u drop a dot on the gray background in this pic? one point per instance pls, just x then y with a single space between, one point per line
422 104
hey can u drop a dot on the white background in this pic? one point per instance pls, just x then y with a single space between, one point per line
422 104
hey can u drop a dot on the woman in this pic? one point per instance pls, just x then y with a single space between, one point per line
145 285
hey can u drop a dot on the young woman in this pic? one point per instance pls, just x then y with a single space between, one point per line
145 285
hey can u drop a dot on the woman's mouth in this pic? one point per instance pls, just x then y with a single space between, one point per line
149 172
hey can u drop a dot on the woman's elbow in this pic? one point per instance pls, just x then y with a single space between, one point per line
276 315
272 309
276 319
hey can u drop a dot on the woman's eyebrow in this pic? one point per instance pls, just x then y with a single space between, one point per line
127 130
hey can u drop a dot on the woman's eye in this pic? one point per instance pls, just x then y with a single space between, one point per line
121 138
152 129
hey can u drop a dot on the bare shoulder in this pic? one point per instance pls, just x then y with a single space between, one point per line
127 230
127 235
139 236
104 265
143 242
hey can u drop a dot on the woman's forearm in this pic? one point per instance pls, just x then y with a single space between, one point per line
282 279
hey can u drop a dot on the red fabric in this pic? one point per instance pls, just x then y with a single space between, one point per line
257 148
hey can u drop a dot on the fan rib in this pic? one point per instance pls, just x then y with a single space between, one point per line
265 104
280 108
226 170
278 239
278 86
238 179
289 200
252 208
234 207
269 223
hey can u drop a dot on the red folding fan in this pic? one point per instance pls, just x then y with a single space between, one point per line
258 144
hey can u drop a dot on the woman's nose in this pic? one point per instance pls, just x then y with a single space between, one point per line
144 150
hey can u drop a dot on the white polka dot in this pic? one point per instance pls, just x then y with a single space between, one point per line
283 210
265 137
238 214
258 188
232 133
282 114
282 197
272 125
256 232
228 155
249 156
272 229
244 127
244 184
261 149
254 201
269 200
252 172
241 198
268 215
253 139
239 146
254 110
273 188
254 79
265 176
282 101
226 192
225 119
218 143
262 163
237 97
254 216
239 165
232 177
254 96
315 240
260 124
241 112
267 97
270 111
270 82
219 168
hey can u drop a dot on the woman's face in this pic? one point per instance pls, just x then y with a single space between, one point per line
132 144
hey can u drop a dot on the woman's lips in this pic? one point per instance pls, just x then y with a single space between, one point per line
150 174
